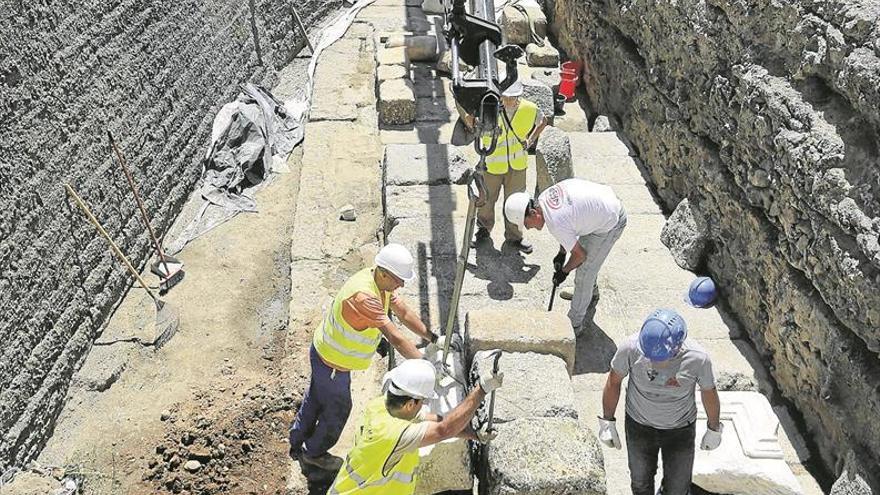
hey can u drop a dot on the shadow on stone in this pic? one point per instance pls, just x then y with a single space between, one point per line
593 351
501 268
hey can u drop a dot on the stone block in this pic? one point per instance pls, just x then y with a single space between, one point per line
685 234
386 72
426 164
515 330
535 386
602 124
433 6
547 77
393 56
540 94
542 56
552 158
543 456
750 459
515 25
422 48
397 102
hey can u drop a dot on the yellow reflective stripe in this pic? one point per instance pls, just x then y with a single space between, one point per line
350 335
362 483
354 476
329 340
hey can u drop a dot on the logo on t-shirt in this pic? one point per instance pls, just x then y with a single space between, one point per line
672 382
554 197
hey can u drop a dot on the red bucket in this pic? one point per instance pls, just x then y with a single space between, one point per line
568 84
573 67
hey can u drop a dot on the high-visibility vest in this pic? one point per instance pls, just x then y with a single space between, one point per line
509 150
336 341
365 471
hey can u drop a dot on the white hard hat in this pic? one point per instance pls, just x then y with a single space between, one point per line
515 208
514 89
397 260
414 378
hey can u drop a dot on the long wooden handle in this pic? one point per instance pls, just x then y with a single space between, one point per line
116 250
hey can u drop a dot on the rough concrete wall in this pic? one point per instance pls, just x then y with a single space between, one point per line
765 115
152 72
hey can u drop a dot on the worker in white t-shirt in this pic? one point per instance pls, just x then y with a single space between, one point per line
587 219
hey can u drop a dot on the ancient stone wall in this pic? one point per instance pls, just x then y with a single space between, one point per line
765 116
152 72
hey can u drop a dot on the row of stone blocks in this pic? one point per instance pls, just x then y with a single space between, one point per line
542 448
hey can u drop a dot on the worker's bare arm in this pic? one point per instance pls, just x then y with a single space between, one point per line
411 319
456 421
611 394
399 342
713 407
578 255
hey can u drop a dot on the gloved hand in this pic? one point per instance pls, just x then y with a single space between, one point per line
608 433
559 260
559 277
490 381
485 435
712 438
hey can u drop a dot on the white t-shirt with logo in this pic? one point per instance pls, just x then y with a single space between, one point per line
576 207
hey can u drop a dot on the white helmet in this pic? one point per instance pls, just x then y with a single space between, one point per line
414 378
515 89
397 260
515 208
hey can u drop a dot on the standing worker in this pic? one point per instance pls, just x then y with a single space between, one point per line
664 369
386 446
519 127
346 340
586 219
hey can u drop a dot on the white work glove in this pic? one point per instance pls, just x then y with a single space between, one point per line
608 433
712 438
490 381
485 435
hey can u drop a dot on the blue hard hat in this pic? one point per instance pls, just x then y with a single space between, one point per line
702 293
662 335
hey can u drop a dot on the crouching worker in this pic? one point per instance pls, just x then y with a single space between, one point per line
386 446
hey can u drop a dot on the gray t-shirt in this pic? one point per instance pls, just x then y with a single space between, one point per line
666 401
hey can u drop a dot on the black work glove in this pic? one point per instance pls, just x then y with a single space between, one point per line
559 261
559 277
383 348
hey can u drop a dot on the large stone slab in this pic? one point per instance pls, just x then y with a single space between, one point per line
542 56
425 164
596 145
514 330
543 456
397 102
535 386
686 234
750 460
553 158
515 25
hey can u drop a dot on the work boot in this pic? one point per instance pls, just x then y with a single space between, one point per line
325 461
568 295
522 245
482 235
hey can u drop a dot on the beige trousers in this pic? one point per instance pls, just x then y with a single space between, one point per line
513 181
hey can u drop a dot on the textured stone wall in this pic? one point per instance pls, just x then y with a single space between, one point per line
765 116
152 72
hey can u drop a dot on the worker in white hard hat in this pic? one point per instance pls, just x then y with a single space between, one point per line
520 124
385 455
345 341
586 219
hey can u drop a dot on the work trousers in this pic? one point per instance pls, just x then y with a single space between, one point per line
597 247
512 181
643 443
324 410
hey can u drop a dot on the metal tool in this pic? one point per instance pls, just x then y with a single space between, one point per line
302 28
167 318
552 297
168 269
497 356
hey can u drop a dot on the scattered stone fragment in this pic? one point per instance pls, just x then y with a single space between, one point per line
543 456
685 234
851 484
540 94
542 56
347 213
397 102
165 416
515 25
535 385
553 158
192 466
602 124
726 381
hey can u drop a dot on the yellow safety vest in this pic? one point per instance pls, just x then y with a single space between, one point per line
336 341
364 471
509 150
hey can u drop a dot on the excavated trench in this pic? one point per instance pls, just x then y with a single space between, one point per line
764 116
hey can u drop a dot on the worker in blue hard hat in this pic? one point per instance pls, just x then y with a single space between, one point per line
701 293
664 369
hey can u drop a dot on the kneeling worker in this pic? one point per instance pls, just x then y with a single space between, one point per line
586 219
346 340
386 446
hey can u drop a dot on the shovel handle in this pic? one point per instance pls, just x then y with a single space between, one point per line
94 221
552 297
